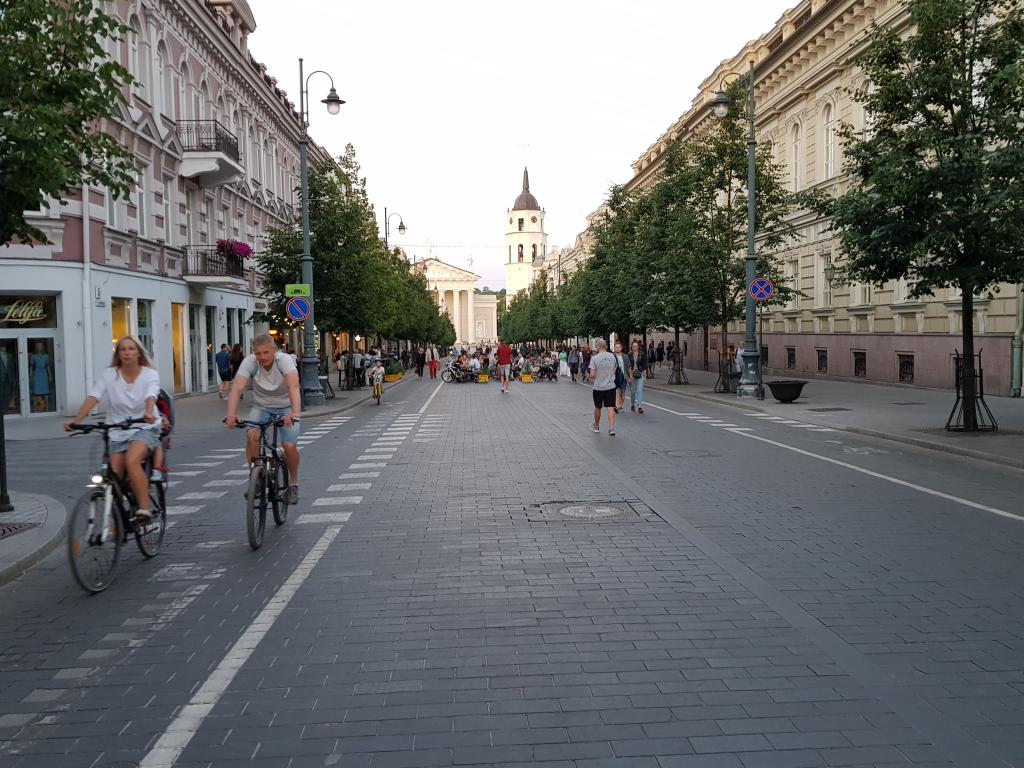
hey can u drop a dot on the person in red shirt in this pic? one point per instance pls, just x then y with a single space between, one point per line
504 358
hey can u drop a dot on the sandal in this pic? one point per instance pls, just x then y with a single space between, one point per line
640 409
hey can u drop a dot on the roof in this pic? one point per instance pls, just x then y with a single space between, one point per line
526 201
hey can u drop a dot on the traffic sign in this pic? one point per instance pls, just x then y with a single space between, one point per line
762 289
298 309
296 289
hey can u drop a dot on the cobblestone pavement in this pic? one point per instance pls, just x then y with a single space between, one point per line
750 594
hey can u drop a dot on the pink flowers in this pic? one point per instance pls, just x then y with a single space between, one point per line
234 248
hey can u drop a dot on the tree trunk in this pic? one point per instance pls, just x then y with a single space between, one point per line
968 374
707 334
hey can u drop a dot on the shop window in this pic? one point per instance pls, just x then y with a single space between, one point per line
822 361
791 358
144 310
860 364
120 320
10 376
42 380
764 357
906 366
232 339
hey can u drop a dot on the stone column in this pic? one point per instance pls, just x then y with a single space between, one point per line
471 316
457 314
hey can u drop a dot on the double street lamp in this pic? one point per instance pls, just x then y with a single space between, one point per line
750 379
312 393
387 221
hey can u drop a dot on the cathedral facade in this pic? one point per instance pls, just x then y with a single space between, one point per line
525 240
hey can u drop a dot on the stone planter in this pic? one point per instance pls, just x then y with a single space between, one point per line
392 376
786 390
482 378
526 378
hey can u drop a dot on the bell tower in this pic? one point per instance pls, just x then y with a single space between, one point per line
525 240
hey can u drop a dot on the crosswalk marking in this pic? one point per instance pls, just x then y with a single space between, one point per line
357 467
348 487
333 501
357 475
203 495
309 518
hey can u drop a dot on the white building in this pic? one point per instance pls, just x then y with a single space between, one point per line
216 143
474 315
525 239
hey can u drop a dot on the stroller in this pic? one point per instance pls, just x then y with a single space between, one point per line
548 371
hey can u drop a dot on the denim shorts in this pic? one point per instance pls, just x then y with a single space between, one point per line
262 415
150 438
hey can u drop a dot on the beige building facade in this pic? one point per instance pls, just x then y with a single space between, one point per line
473 315
805 68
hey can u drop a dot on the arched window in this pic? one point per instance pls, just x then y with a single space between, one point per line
252 155
165 76
205 105
138 57
828 123
533 256
867 119
268 162
794 156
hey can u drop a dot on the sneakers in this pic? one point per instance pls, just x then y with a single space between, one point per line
144 516
640 408
292 497
596 428
632 408
156 476
611 433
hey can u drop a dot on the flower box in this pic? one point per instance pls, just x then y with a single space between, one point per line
392 376
483 378
526 378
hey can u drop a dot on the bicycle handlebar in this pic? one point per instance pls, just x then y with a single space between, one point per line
104 427
275 421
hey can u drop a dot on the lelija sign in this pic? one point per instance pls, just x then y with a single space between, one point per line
25 310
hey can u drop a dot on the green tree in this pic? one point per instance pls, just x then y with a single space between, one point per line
56 84
939 198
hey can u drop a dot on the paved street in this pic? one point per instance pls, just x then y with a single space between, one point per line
754 592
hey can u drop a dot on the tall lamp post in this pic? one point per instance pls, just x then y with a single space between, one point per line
387 231
312 394
750 380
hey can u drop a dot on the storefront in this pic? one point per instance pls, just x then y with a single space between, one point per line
31 359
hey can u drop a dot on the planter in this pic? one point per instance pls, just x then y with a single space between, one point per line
392 376
786 390
526 378
482 378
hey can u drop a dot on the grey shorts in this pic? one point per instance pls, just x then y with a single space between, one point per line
504 370
147 437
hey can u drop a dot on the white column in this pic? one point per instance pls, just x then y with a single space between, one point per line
471 314
457 314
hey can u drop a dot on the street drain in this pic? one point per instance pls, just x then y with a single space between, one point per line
600 511
695 454
10 529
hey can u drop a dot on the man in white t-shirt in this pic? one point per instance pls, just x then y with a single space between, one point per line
275 386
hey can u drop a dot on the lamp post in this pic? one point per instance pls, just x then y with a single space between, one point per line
750 380
387 231
312 394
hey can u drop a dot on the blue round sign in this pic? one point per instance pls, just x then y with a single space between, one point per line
762 289
297 309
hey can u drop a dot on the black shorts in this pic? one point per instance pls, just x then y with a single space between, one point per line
225 375
604 398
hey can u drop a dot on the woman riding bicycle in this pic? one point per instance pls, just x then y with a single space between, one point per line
129 389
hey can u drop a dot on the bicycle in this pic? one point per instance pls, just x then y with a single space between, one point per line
378 390
103 518
268 480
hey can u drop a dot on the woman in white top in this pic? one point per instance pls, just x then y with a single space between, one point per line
128 388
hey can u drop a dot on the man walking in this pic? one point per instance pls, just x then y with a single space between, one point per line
504 358
602 373
223 359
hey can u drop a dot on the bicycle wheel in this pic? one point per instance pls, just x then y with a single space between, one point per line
278 492
377 392
149 537
93 561
446 376
256 506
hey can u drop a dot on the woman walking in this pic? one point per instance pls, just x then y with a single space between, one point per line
236 358
563 362
421 361
574 362
661 354
621 382
637 372
585 357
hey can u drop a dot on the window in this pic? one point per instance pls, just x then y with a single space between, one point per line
793 281
142 194
906 366
144 314
860 364
533 256
822 360
170 211
829 143
866 117
791 358
823 291
120 319
521 221
861 294
794 156
137 55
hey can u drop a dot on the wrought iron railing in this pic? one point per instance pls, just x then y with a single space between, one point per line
208 136
212 262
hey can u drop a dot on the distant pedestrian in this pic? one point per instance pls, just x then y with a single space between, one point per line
602 372
660 353
574 362
637 372
223 360
585 356
563 362
421 361
621 377
652 355
504 359
432 360
236 358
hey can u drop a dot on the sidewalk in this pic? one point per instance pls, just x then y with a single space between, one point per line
29 533
911 415
192 412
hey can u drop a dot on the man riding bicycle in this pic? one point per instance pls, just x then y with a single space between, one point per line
275 385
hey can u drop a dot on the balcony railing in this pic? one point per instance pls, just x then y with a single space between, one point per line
210 262
208 136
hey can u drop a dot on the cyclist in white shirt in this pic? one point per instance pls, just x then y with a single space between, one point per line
129 389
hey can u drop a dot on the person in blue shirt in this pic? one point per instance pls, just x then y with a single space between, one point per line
223 360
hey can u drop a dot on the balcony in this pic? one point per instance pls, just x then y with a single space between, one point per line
210 153
209 266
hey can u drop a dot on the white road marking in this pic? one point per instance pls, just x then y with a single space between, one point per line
432 396
323 517
237 472
890 479
183 510
202 464
357 475
188 473
188 721
203 495
357 467
223 483
334 501
379 450
348 487
227 450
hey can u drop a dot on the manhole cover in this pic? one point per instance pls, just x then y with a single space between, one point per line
827 410
589 512
10 529
695 454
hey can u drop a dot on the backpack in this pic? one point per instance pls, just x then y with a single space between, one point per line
165 405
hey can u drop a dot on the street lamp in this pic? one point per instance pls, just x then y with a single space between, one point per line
387 221
750 380
312 394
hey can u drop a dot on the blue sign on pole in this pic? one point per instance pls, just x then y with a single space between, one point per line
297 309
762 289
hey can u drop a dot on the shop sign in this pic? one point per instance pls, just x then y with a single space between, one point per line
28 312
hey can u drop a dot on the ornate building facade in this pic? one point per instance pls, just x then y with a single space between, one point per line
215 139
525 239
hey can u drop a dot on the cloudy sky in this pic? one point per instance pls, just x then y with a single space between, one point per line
448 100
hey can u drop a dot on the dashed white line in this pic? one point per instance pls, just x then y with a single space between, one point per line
357 475
323 517
202 495
348 487
357 467
335 501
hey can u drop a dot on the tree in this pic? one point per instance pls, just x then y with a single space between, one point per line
56 84
939 198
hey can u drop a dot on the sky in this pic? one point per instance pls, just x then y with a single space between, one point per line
448 100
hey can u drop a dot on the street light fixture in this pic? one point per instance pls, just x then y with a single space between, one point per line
387 222
830 273
312 394
750 380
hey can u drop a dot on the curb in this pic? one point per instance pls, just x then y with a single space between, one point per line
50 535
917 442
348 406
